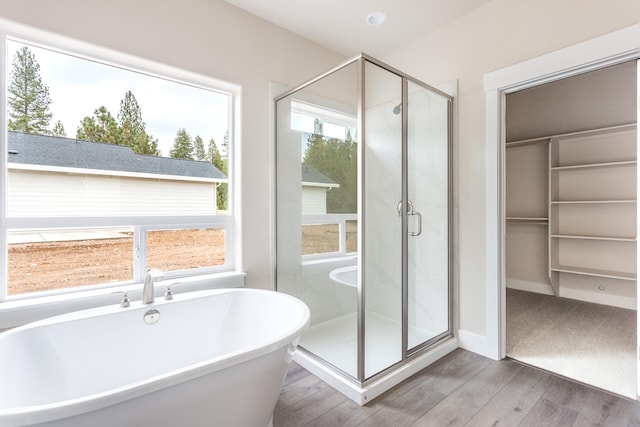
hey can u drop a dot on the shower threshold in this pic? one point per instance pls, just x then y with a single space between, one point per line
335 341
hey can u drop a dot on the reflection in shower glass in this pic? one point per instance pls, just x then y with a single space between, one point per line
317 212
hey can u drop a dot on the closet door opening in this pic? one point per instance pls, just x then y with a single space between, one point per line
571 227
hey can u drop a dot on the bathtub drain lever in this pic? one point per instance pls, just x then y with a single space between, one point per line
168 295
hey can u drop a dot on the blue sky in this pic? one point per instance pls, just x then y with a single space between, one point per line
77 87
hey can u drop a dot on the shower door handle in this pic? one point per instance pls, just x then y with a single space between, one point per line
409 207
410 211
419 215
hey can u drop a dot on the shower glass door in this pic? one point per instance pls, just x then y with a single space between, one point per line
405 218
428 254
381 221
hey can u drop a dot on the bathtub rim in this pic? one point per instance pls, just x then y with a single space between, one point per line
71 407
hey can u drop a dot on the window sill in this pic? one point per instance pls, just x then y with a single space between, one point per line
19 312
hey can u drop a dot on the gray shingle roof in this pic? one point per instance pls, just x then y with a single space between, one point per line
25 148
311 174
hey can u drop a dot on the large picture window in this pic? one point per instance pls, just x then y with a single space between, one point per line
110 171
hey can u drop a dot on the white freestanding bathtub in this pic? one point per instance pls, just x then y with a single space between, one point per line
213 358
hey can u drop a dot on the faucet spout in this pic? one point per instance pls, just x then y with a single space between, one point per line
151 278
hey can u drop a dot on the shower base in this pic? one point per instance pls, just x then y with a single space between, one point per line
335 342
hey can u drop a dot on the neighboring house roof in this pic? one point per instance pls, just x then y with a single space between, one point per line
32 149
313 177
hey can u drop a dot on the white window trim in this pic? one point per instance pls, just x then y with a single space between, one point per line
10 310
325 114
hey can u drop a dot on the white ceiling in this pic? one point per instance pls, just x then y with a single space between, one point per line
341 25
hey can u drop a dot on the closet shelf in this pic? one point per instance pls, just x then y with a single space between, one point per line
590 202
595 172
544 140
583 237
594 272
595 165
547 138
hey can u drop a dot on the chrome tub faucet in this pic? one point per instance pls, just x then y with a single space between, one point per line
151 278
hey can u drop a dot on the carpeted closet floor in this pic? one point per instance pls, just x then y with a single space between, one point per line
591 343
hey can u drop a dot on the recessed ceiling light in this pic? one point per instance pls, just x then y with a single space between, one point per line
376 18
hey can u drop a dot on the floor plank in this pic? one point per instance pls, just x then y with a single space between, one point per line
294 373
449 373
301 388
461 405
547 413
308 409
602 409
568 393
462 389
515 400
347 414
405 409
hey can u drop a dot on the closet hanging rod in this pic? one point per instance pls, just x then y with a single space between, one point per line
528 221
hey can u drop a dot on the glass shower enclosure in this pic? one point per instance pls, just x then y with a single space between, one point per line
363 216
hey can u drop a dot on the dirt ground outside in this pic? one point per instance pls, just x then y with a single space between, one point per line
44 266
47 266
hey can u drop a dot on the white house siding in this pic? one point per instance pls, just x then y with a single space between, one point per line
39 193
314 200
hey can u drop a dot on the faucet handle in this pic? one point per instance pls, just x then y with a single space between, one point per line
157 275
169 295
125 301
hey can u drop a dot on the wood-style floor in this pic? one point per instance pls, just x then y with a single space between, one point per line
462 389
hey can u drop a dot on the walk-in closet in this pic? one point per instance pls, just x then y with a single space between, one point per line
570 231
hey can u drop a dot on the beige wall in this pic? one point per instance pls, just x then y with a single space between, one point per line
213 38
216 39
601 98
499 34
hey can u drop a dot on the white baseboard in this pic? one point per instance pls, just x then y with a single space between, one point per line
524 285
475 343
599 298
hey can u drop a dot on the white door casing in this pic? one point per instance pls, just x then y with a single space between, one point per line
609 49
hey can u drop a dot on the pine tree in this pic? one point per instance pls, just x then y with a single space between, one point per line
198 148
129 131
58 130
133 129
182 146
337 159
214 156
28 96
102 127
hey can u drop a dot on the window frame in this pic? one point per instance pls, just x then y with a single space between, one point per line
140 224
